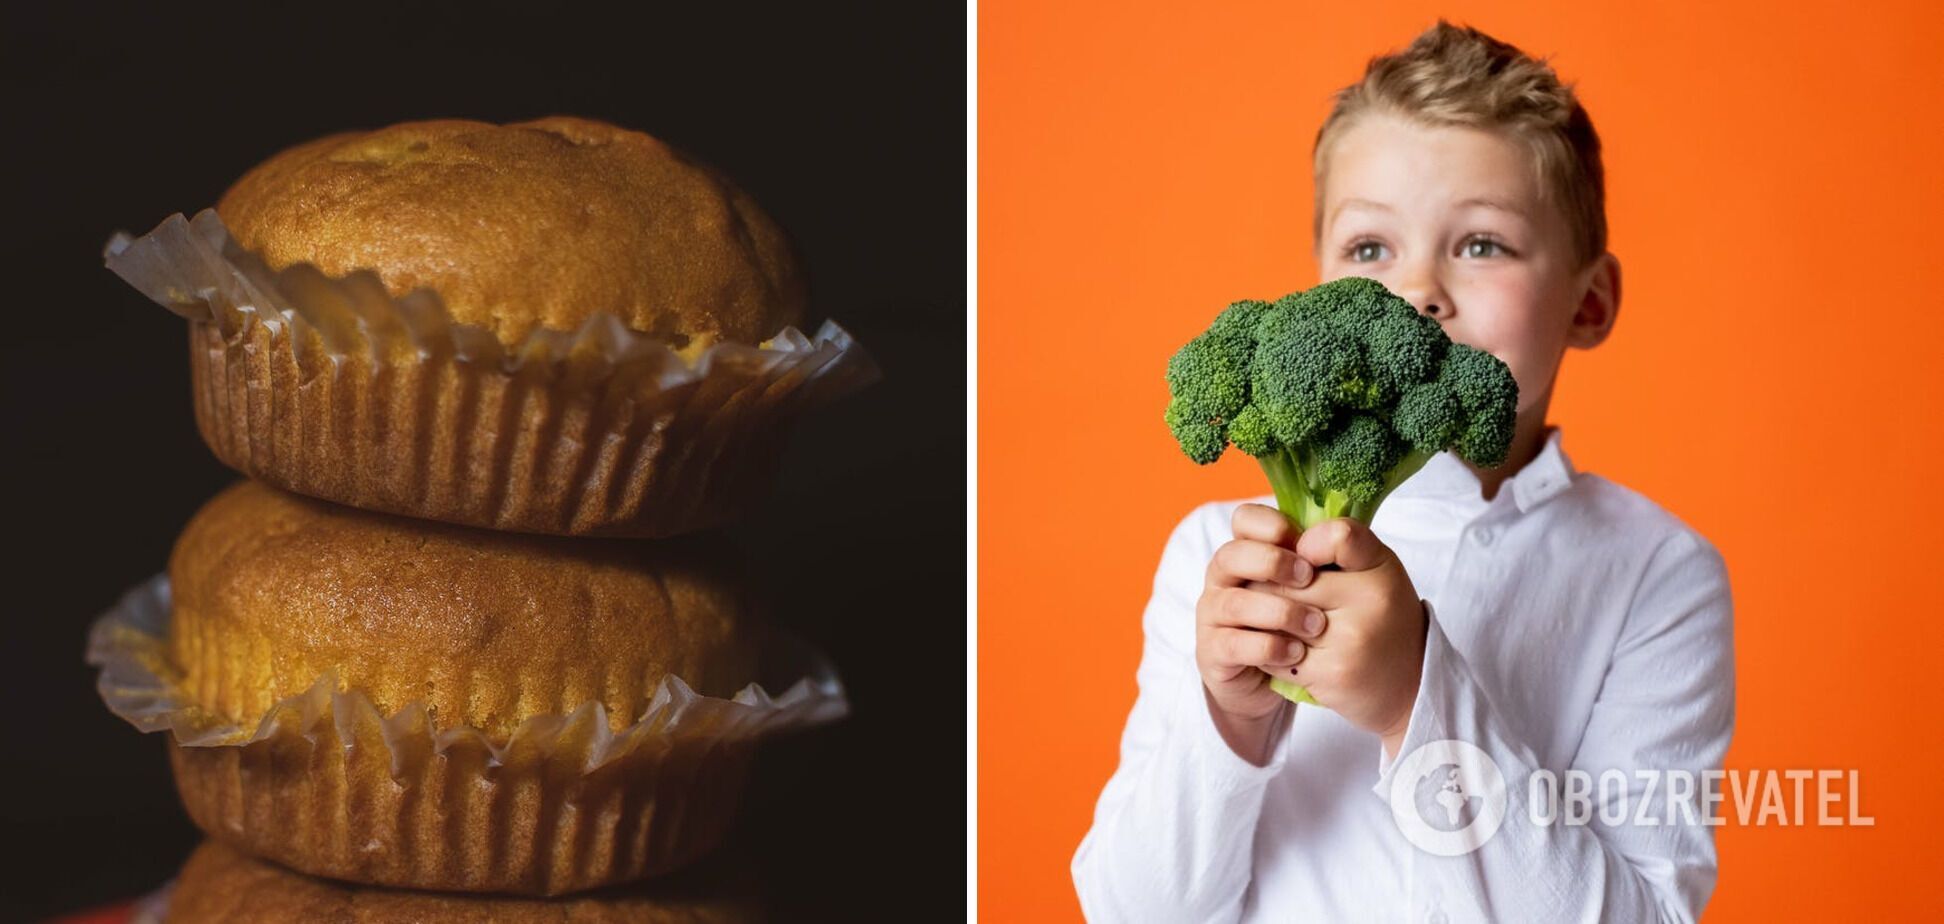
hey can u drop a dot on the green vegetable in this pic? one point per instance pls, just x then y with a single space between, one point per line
1340 392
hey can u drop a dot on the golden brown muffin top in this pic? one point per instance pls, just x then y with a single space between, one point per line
533 224
220 885
271 590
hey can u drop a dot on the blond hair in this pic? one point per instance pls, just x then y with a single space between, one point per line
1457 75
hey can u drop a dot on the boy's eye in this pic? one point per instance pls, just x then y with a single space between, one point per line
1483 247
1364 251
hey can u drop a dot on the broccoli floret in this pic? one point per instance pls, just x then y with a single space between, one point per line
1340 392
1353 301
1405 349
1478 378
1429 417
1250 431
1209 381
1356 460
1299 381
1487 436
1489 397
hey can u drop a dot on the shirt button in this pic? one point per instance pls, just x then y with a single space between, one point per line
1485 535
1436 917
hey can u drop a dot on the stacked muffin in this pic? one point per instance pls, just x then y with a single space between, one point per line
448 353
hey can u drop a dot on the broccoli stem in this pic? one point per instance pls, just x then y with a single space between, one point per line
1292 691
1292 476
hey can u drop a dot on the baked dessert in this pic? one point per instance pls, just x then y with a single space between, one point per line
555 326
534 224
219 885
273 590
436 707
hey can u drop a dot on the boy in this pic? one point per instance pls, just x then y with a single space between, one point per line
1552 621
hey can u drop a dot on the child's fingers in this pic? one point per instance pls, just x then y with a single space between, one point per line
1234 647
1263 524
1343 542
1253 608
1330 591
1240 560
1287 667
1308 618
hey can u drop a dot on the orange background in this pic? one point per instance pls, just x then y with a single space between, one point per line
1774 199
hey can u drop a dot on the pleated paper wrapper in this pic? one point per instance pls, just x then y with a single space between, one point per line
325 784
332 388
218 885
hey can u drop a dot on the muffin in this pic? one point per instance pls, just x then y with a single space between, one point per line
219 885
389 701
530 225
556 326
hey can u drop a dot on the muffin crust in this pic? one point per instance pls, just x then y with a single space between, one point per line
533 224
272 591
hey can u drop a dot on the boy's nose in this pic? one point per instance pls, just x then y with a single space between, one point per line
1428 301
1420 288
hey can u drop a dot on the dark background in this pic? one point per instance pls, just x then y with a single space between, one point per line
847 122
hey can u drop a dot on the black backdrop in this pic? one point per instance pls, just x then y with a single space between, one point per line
847 122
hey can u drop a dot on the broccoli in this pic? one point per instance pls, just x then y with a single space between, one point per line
1340 392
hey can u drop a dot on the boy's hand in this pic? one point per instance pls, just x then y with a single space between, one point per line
1367 663
1354 638
1245 629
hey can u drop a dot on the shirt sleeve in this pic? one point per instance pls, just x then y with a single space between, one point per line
1173 832
1665 711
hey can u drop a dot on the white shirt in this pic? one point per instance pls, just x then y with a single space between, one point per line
1574 624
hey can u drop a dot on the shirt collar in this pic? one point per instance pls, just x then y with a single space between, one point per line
1447 477
1548 474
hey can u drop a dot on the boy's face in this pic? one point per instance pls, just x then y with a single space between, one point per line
1405 204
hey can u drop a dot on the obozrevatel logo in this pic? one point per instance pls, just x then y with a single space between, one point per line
1448 798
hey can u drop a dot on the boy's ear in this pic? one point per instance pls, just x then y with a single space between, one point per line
1599 304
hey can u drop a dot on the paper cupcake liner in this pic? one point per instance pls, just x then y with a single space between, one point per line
330 387
219 885
325 784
